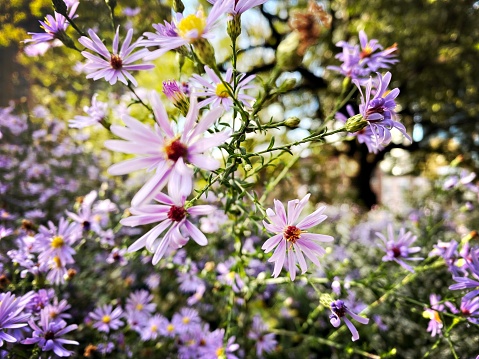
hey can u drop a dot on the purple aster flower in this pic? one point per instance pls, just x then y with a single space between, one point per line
106 318
399 249
178 94
217 94
4 232
265 343
359 61
228 276
141 302
172 215
472 264
89 216
97 113
215 347
186 320
128 11
365 135
113 66
151 330
56 310
184 30
293 240
435 323
11 316
340 310
49 335
55 27
380 110
165 151
53 242
117 255
470 310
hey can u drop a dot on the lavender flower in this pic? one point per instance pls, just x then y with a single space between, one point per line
164 150
380 110
11 316
340 310
97 113
240 6
185 320
184 30
294 240
152 328
141 302
470 310
466 282
435 323
217 94
172 215
399 249
178 94
113 66
49 335
55 27
106 318
265 343
215 347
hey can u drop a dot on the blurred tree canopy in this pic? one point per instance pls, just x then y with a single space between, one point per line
438 76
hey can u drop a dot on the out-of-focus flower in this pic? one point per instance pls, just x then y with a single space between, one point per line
435 323
217 94
141 302
380 110
151 330
114 66
117 255
264 342
240 6
215 347
97 113
291 240
399 250
309 24
184 30
49 335
340 310
185 320
11 316
106 318
467 282
165 151
172 215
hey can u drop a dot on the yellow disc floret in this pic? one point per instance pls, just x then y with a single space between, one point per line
221 90
57 242
106 319
190 23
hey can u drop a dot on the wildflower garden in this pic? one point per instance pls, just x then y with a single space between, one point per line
239 179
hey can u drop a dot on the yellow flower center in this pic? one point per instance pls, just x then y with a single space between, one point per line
106 319
170 327
221 90
191 23
139 306
367 51
220 352
57 242
154 328
230 275
186 320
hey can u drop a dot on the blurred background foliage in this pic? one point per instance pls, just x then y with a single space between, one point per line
437 74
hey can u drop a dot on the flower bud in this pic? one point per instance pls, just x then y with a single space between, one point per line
287 55
355 123
234 26
178 6
60 7
292 122
178 95
287 85
205 52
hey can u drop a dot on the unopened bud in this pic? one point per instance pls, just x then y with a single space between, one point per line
287 85
234 26
247 167
178 6
178 95
355 123
287 55
60 7
205 52
292 122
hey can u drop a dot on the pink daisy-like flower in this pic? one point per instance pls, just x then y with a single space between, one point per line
113 66
172 215
163 150
217 94
293 240
184 30
107 318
